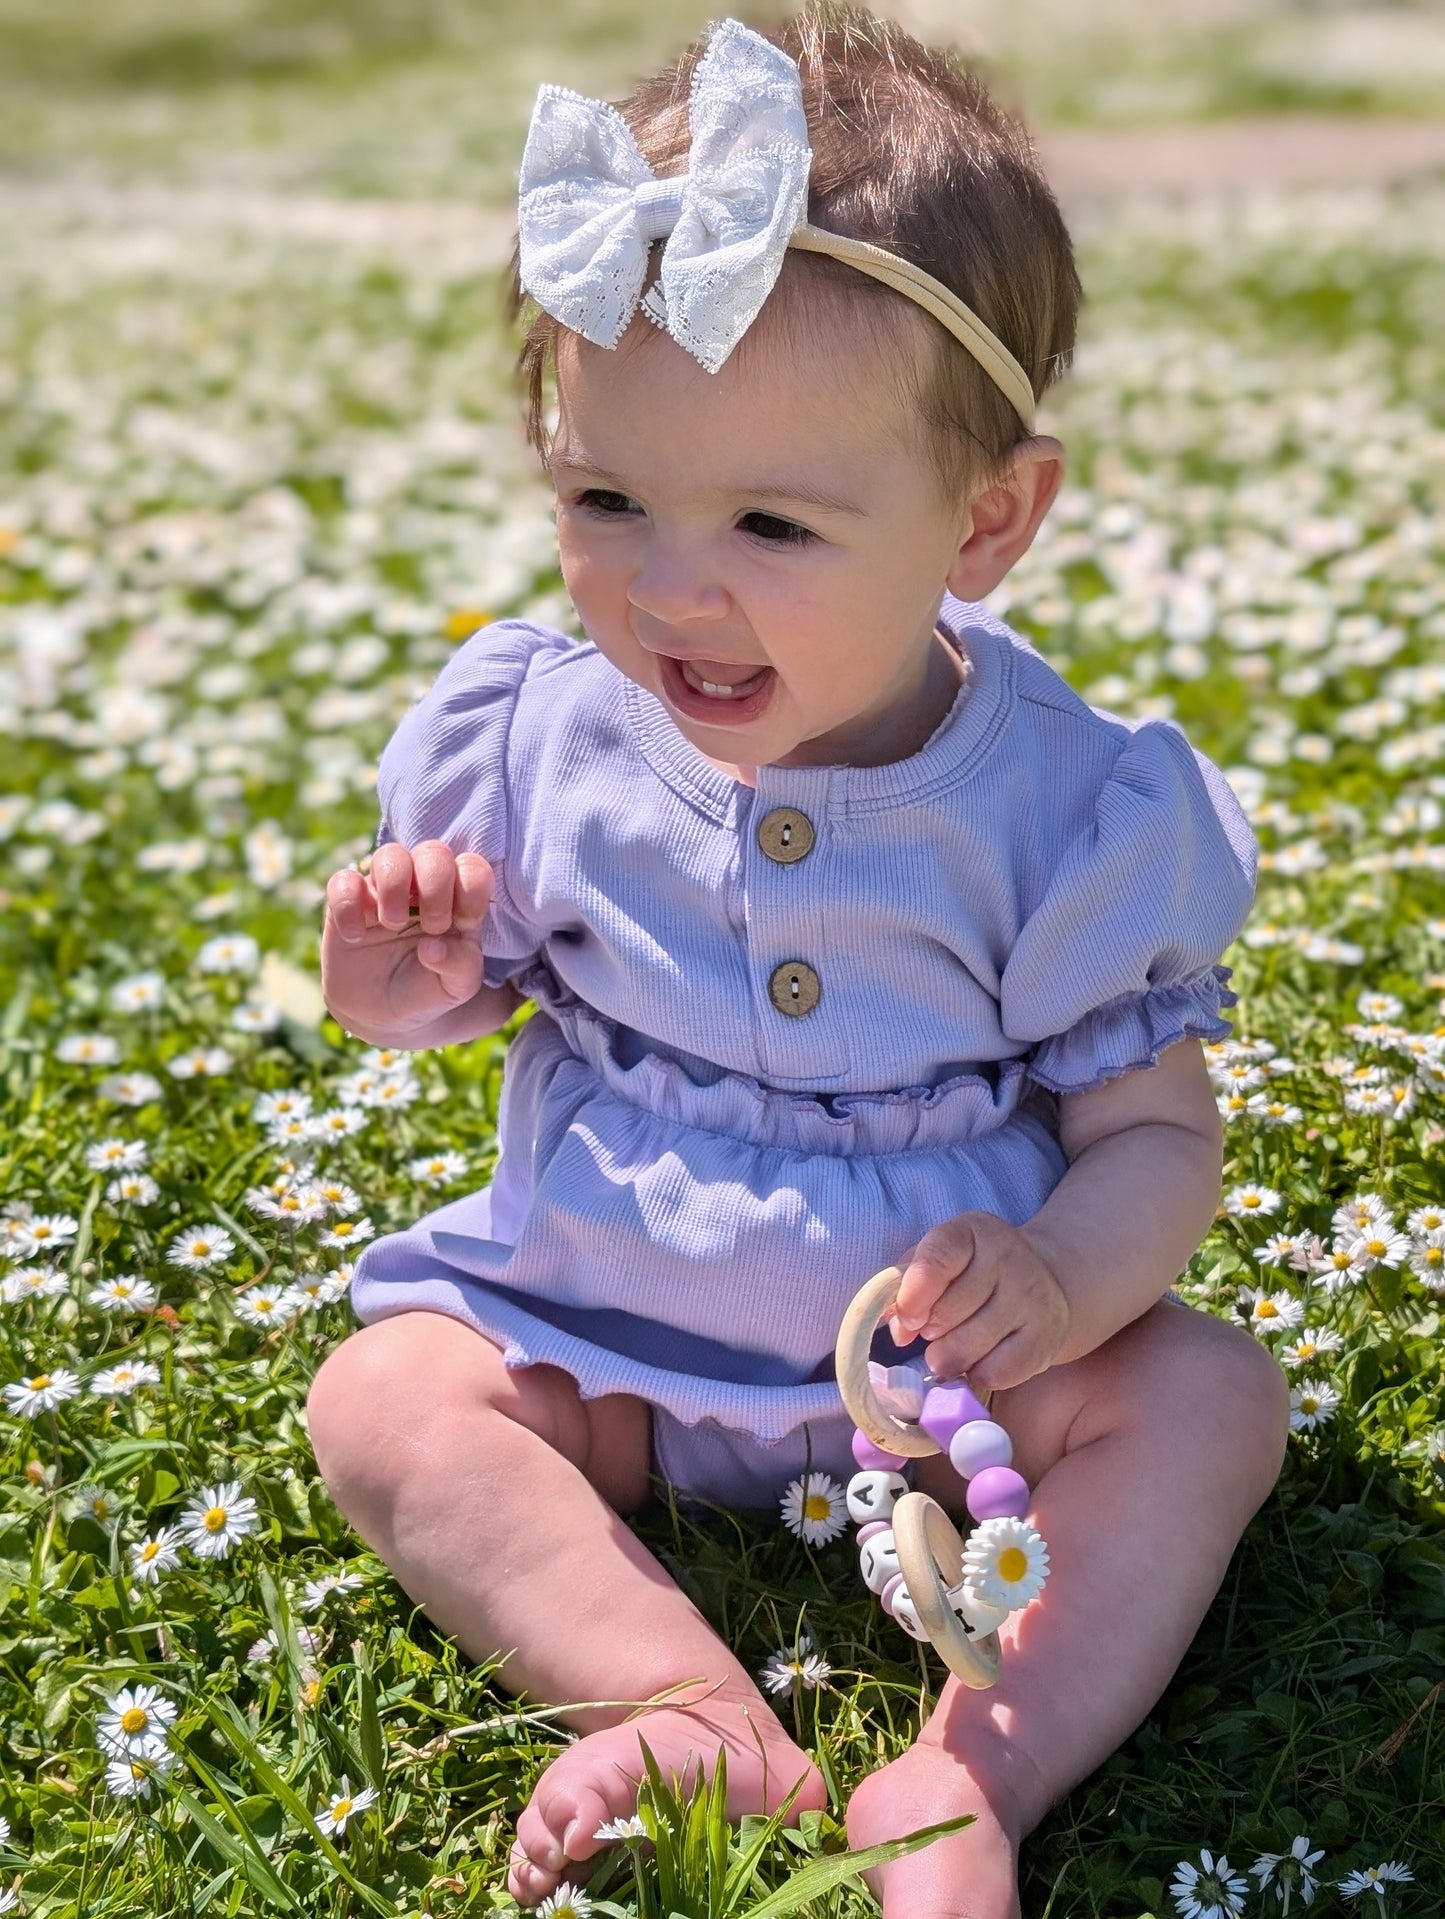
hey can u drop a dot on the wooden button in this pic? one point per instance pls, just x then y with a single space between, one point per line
794 988
785 834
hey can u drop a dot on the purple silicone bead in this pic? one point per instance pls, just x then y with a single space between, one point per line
885 1598
945 1409
870 1531
998 1492
979 1444
873 1459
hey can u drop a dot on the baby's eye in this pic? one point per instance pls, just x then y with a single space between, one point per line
608 505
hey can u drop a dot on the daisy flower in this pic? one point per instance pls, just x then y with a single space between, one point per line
567 1902
88 1049
336 1194
297 1206
229 953
1281 1248
1208 1890
337 1122
1312 1343
130 1089
1005 1564
130 1778
116 1155
1289 1872
1378 1246
1251 1202
201 1063
318 1591
344 1805
261 1306
256 1016
815 1511
1426 1219
216 1518
1427 1258
44 1233
290 1103
156 1555
98 1503
345 1233
1393 1872
136 1722
437 1168
43 1393
631 1827
1365 1209
32 1282
1312 1403
116 1381
1270 1312
132 1189
201 1246
799 1665
123 1293
137 994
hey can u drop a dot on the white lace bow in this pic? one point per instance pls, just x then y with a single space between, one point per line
589 206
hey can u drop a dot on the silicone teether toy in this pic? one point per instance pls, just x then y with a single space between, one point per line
952 1594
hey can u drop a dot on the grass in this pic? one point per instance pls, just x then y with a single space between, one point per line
254 486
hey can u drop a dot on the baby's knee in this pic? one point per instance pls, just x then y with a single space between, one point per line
1222 1387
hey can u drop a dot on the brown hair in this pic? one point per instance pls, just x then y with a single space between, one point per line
911 153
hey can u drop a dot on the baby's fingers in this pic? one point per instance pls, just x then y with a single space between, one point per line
351 903
456 959
938 1259
475 885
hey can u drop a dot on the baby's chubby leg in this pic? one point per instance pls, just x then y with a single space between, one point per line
1147 1458
494 1497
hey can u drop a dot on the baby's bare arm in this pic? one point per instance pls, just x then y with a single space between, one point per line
1146 1152
1001 1303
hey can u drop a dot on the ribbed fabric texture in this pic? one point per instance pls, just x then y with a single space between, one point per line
693 1183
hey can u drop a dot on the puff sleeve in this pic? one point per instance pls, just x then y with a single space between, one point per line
443 776
1119 958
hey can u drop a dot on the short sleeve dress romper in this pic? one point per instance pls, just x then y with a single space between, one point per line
781 1032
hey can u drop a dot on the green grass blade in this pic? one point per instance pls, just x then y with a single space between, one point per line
233 1728
820 1877
244 1853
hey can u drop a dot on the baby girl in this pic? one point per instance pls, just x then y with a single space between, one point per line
854 937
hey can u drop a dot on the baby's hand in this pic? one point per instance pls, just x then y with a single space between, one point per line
992 1308
381 966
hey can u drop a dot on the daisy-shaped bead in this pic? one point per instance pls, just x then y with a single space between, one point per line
135 1723
816 1509
1005 1563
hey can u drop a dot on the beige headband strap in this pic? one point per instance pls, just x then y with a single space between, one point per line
945 306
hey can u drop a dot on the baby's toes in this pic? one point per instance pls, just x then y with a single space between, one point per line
539 1839
528 1883
573 1810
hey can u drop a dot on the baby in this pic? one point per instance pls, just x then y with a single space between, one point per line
855 938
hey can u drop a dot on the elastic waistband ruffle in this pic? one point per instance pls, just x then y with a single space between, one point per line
965 1108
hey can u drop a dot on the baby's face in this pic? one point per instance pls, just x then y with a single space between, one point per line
685 531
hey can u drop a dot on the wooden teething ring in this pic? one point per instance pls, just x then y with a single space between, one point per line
930 1551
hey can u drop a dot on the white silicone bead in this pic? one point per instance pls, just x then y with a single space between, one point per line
878 1561
973 1612
874 1495
977 1445
906 1613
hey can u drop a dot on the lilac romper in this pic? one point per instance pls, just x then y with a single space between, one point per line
780 1033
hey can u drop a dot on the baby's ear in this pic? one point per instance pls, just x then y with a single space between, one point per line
1002 518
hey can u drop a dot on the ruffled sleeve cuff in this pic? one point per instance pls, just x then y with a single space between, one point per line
1129 1033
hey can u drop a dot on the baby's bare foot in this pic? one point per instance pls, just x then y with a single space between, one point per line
596 1780
972 1874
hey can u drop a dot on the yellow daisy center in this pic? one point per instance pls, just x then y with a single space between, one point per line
39 1383
816 1506
1250 1199
1265 1309
1309 1404
149 1550
134 1719
1306 1349
1374 1247
1434 1255
138 1769
1013 1563
342 1227
341 1809
215 1519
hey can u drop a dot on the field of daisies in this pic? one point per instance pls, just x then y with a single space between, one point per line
258 476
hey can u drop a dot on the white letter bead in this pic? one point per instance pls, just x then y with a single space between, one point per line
874 1495
978 1445
906 1613
978 1617
878 1561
